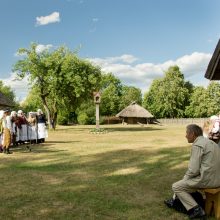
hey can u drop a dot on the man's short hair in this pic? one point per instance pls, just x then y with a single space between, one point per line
193 128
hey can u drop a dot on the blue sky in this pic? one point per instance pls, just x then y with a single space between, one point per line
137 40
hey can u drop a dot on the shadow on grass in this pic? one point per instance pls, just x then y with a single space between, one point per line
120 184
60 142
74 128
112 129
35 148
108 162
40 147
133 129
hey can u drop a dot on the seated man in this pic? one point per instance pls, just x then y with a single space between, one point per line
203 172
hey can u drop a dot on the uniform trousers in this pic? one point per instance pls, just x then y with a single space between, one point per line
182 190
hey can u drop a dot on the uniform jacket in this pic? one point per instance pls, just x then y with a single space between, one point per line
204 165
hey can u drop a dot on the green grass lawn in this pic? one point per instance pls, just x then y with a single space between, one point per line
125 173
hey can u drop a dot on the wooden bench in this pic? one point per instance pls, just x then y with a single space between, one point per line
212 204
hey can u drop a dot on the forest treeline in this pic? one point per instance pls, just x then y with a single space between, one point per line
62 84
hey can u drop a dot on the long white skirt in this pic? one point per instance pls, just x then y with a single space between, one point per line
23 133
32 133
18 134
41 131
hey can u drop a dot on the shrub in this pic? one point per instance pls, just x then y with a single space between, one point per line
82 118
62 120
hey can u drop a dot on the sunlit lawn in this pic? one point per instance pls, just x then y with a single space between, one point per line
125 173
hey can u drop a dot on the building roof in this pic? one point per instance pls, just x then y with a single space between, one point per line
4 101
213 69
134 111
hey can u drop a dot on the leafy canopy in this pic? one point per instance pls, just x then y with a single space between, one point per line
60 78
168 96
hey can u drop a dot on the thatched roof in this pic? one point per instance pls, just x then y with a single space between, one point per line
213 70
4 101
134 111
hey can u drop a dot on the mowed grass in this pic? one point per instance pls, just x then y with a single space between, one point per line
125 173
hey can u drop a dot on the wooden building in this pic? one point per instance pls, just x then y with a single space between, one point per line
213 69
4 102
134 114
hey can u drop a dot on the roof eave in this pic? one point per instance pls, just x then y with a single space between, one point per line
213 69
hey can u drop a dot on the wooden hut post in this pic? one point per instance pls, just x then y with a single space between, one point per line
97 100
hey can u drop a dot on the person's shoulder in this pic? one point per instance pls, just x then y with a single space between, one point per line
203 141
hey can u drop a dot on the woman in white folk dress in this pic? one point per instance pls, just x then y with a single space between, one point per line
41 126
23 126
32 127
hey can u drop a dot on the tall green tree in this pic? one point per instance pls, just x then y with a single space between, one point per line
111 90
86 112
60 77
168 97
213 100
198 106
130 94
204 102
32 102
153 98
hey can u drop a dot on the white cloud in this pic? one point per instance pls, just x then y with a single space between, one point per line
193 67
44 20
126 58
193 64
40 47
20 87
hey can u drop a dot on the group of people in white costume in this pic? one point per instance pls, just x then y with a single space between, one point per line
17 128
211 128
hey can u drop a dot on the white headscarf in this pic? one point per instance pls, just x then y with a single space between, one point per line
39 111
20 112
13 113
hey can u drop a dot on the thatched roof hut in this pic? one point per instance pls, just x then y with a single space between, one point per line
4 101
134 113
213 70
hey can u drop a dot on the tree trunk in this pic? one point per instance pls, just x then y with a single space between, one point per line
54 120
54 116
47 111
48 116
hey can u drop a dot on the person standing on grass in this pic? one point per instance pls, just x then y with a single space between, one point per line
14 120
214 133
203 172
41 126
1 129
7 131
23 129
32 127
